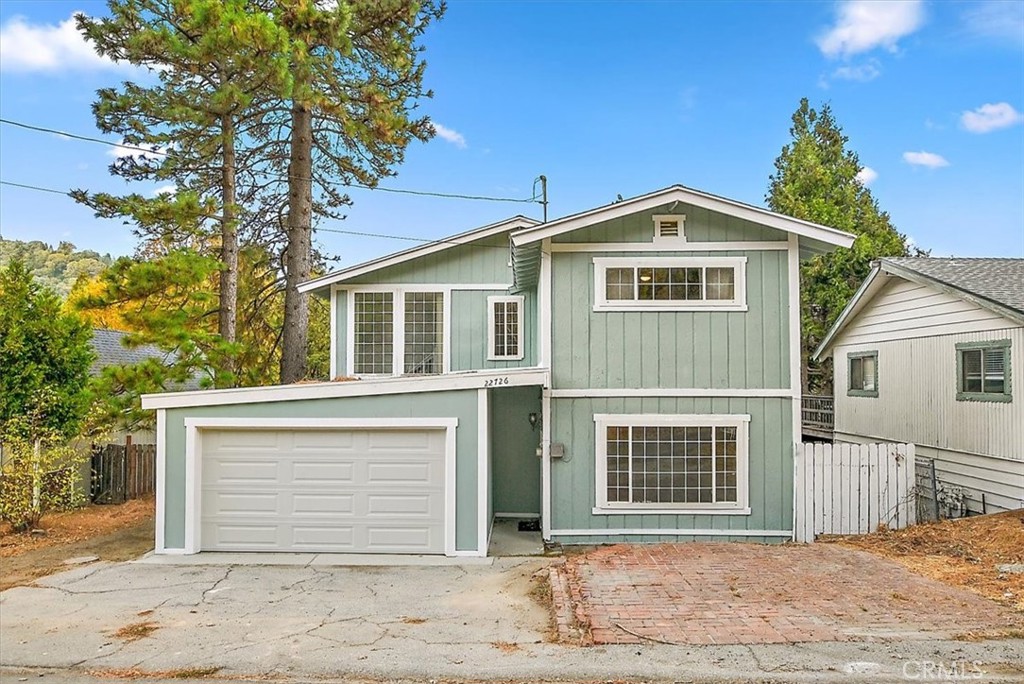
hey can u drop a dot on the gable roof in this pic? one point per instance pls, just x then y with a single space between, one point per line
822 238
995 284
325 281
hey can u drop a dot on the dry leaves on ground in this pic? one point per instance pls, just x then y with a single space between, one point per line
77 525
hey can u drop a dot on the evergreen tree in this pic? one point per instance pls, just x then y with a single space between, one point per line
816 180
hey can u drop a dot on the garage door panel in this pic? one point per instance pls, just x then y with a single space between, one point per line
342 491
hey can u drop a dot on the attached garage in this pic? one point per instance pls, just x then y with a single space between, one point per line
323 490
385 466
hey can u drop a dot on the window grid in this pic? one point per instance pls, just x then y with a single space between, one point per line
424 333
984 370
671 465
374 332
506 329
671 284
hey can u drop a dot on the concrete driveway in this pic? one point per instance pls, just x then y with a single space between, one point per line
472 622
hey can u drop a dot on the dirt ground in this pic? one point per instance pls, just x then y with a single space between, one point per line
962 552
111 532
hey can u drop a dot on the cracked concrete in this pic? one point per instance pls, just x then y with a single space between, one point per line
416 623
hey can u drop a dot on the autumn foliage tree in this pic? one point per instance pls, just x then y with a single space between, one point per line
816 179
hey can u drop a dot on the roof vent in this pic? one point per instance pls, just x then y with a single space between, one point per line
669 227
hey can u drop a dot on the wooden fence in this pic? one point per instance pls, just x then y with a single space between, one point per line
852 488
123 471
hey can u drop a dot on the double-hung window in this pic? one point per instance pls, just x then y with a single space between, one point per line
505 328
672 463
398 329
670 284
983 371
863 374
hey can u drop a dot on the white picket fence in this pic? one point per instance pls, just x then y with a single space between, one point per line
852 488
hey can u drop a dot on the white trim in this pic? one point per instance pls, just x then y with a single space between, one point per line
670 511
687 195
795 355
161 480
170 552
855 304
788 534
350 334
667 240
517 516
669 245
193 459
739 421
545 464
356 388
424 287
416 252
520 302
334 333
750 393
738 303
483 474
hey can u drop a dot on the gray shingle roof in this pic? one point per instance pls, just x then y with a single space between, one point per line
995 279
110 350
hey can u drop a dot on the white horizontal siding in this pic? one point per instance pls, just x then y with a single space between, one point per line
905 310
1000 480
917 397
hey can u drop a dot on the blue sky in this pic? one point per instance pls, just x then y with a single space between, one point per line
607 99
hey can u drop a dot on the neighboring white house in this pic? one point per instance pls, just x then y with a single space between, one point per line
925 353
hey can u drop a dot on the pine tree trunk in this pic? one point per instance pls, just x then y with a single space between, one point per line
227 318
298 256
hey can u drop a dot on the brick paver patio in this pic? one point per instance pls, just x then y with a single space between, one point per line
728 593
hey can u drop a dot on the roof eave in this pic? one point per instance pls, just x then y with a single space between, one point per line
864 294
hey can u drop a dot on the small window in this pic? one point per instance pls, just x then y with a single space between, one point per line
669 227
863 374
672 462
983 371
374 332
505 328
670 284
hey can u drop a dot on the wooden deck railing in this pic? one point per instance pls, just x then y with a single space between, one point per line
817 413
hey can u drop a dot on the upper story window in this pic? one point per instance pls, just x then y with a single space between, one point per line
983 371
505 328
672 463
863 374
396 329
669 227
670 284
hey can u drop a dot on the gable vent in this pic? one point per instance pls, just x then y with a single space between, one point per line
669 227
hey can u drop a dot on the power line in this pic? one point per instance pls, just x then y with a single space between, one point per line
326 230
157 151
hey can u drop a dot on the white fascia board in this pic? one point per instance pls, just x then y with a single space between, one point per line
510 377
416 252
868 289
679 193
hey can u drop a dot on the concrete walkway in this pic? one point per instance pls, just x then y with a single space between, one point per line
474 622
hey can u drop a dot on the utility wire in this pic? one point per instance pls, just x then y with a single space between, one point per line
326 230
157 151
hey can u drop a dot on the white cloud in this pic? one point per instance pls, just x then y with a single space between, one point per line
991 117
449 135
26 47
863 72
927 159
1002 20
120 151
165 190
864 25
866 176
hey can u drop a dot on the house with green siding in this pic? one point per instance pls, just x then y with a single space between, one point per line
628 373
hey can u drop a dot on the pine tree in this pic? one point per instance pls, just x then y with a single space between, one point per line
816 180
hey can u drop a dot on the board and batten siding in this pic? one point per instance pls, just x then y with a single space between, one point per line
461 404
978 445
770 468
703 349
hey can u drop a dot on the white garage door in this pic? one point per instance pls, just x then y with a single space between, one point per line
341 491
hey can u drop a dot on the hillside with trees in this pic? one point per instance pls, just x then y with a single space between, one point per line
55 268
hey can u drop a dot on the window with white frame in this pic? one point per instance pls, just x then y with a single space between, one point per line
374 331
670 284
672 463
398 331
505 328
